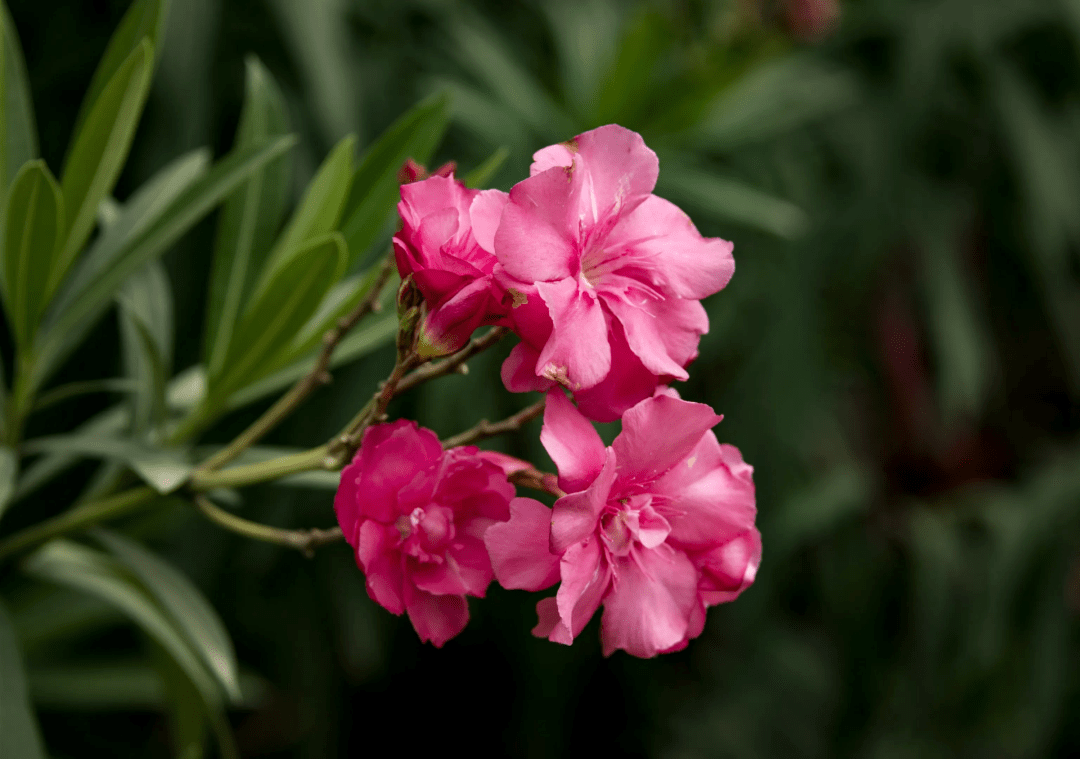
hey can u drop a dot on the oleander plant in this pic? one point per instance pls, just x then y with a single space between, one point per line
380 371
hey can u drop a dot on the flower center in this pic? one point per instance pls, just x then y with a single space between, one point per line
632 520
425 532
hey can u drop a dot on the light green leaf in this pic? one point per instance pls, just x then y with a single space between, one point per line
18 135
68 325
76 566
184 602
34 227
375 186
164 470
482 174
725 198
251 215
318 212
144 19
146 330
9 469
98 151
281 308
375 332
19 734
84 387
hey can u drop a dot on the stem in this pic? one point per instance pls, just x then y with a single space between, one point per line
250 474
305 541
316 378
77 518
454 363
537 480
485 429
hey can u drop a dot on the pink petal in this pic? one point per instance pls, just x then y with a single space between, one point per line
535 241
378 556
507 463
730 569
551 157
519 549
547 612
628 383
575 516
347 502
437 618
390 456
448 327
585 579
572 442
421 199
577 354
651 602
519 370
645 338
441 579
704 499
681 323
619 170
485 214
658 433
473 565
687 265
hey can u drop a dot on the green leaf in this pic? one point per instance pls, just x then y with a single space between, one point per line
18 135
251 215
144 19
164 470
66 326
278 311
375 186
99 149
725 198
374 333
180 598
82 568
482 174
146 330
34 227
84 387
121 686
319 209
19 734
9 469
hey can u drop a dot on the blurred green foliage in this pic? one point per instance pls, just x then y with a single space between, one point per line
898 355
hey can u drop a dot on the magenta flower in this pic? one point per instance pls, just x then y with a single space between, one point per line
445 243
656 527
605 277
416 516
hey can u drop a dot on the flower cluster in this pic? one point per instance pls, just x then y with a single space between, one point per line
601 280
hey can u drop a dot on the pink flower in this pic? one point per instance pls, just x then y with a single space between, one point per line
605 277
445 243
416 516
656 527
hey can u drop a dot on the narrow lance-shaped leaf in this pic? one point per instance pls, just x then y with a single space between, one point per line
280 309
66 327
251 215
164 470
482 174
146 330
18 134
184 602
319 209
9 469
99 150
375 187
76 566
34 225
144 18
19 734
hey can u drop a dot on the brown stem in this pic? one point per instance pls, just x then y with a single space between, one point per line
316 378
537 480
454 363
305 541
485 429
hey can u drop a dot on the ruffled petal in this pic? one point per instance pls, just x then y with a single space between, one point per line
437 618
389 458
627 383
519 370
534 241
658 433
519 549
485 214
577 354
575 516
730 569
572 442
378 556
645 338
585 579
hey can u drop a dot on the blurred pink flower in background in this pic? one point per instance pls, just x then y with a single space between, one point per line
656 527
604 276
445 244
416 516
811 20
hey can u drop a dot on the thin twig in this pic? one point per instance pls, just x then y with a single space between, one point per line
305 541
537 480
452 363
485 429
316 378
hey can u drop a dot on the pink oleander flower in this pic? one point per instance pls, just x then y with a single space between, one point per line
605 277
445 243
416 516
656 527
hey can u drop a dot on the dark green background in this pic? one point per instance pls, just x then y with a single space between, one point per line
898 355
